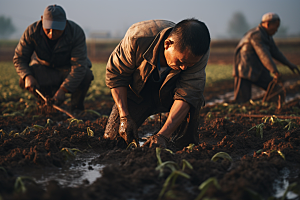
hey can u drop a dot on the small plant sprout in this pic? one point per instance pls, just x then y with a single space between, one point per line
272 151
223 155
170 151
171 179
131 145
90 132
75 121
69 153
205 185
3 169
209 116
293 187
49 122
2 133
93 112
19 185
190 147
259 129
38 127
291 124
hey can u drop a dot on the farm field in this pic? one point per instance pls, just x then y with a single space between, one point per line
247 151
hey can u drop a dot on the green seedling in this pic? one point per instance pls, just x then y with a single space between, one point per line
38 127
131 145
209 116
223 155
291 124
190 147
294 187
90 132
170 151
19 185
205 185
93 112
259 129
26 130
259 151
75 121
69 153
49 122
2 168
3 133
170 181
272 151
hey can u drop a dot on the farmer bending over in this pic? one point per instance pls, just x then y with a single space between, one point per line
60 64
253 58
158 67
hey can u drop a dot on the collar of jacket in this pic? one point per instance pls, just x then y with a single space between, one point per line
152 52
64 39
263 31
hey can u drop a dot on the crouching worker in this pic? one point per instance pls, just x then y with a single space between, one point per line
158 67
253 61
52 56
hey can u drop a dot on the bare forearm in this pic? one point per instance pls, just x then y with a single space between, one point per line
177 114
119 95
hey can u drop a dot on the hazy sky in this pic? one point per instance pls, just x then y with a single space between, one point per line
117 15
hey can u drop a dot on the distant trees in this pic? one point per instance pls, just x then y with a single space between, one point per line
6 27
238 25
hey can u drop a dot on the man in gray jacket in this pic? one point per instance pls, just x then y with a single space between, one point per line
52 56
158 67
253 58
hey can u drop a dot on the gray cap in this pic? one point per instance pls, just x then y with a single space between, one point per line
269 17
54 17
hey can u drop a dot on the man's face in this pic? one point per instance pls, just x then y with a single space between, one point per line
52 34
273 27
179 60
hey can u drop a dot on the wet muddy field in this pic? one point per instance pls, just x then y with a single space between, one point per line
248 151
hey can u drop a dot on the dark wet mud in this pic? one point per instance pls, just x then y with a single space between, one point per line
64 160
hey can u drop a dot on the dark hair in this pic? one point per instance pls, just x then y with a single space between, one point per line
193 34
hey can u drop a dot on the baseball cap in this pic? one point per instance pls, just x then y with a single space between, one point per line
54 17
269 17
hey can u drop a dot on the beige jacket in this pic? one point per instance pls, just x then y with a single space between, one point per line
135 58
70 52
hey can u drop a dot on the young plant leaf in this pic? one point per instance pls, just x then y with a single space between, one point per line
221 155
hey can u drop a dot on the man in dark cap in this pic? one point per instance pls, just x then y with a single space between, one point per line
52 56
253 59
159 66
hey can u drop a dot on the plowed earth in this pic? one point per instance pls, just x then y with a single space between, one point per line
259 159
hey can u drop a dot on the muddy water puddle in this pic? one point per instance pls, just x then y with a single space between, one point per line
79 172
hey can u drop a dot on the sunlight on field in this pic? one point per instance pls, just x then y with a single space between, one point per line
9 81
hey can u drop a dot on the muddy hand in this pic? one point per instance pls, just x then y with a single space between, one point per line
31 83
158 140
128 130
59 97
294 69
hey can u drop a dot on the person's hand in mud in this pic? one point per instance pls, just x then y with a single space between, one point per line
128 130
59 97
156 140
31 83
294 68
